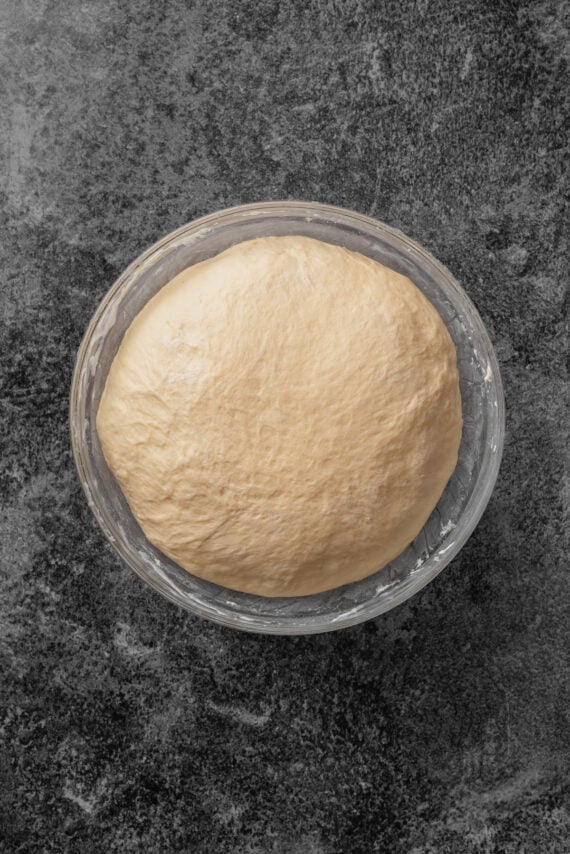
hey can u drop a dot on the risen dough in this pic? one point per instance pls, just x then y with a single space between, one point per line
284 417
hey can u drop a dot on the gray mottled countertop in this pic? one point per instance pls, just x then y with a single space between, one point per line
128 725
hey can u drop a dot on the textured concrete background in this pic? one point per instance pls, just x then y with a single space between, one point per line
130 726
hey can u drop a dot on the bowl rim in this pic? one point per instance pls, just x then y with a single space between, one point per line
486 478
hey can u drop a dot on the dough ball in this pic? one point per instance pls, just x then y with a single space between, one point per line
283 417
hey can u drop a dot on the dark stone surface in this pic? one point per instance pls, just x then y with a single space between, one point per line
128 725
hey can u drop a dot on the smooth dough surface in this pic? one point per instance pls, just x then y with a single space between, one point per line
283 417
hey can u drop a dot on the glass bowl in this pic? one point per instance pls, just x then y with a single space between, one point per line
460 506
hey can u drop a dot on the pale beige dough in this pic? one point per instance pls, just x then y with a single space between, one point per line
284 417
